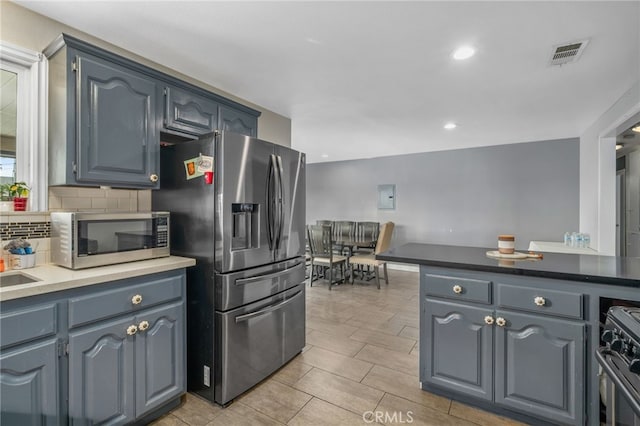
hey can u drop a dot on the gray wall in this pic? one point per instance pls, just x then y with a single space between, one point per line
458 197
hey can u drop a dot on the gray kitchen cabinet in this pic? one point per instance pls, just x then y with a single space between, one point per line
479 345
458 347
189 113
29 384
29 365
101 374
237 121
539 366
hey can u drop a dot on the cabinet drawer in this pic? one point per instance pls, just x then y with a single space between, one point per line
109 303
458 288
23 325
550 302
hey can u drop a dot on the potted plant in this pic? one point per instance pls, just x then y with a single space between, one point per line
20 193
6 201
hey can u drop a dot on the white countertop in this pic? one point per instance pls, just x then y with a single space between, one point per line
55 278
558 247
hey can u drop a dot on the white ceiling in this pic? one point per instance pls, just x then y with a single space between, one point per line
366 79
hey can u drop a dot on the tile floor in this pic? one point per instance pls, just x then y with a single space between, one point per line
361 357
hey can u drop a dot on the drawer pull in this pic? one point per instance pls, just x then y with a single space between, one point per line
143 325
501 322
488 320
153 178
539 301
131 330
137 299
457 289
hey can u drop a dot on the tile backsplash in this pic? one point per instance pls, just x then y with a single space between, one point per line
33 227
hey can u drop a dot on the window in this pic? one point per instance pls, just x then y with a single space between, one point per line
23 146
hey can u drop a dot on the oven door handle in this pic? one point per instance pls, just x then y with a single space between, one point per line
632 399
266 310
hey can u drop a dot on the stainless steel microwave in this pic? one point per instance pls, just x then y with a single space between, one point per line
84 240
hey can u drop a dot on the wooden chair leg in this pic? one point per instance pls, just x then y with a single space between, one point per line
386 276
311 274
377 269
330 275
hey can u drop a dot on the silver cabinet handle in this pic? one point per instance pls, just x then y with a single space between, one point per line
131 330
539 301
137 299
153 178
501 322
488 320
457 289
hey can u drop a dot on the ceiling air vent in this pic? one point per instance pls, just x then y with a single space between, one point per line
568 52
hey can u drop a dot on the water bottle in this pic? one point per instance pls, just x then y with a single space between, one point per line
586 240
567 239
579 240
573 240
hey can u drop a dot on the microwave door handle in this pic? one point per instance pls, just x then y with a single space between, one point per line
245 317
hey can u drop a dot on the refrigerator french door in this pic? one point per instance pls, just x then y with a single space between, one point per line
245 311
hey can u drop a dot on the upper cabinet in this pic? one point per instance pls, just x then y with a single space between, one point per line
107 114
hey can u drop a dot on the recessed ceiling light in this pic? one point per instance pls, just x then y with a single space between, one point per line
619 146
450 126
636 129
464 52
325 156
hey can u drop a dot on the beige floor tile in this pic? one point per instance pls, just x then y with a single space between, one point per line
387 327
395 343
238 414
321 413
480 417
405 363
410 332
169 420
330 327
420 415
404 385
412 319
333 362
292 372
345 393
339 344
196 411
276 400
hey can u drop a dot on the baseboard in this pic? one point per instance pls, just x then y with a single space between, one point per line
403 267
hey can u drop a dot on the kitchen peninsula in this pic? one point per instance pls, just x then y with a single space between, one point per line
516 337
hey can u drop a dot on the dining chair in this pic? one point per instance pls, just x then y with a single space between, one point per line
322 253
367 231
344 229
384 240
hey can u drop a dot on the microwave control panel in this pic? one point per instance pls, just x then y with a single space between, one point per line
162 232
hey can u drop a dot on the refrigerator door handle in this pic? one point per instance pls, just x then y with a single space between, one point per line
266 310
280 207
270 202
245 281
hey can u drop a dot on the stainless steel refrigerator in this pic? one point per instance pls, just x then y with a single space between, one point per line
242 218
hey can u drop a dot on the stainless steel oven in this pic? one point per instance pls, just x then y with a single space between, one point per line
84 240
619 357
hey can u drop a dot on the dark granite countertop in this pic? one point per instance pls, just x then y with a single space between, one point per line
623 271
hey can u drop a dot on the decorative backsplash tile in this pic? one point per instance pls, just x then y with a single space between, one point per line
10 231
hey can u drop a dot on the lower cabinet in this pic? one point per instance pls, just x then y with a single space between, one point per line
120 370
29 385
525 362
121 346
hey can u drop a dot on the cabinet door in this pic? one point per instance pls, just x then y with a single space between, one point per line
189 113
540 366
29 388
237 122
101 374
160 357
457 346
118 143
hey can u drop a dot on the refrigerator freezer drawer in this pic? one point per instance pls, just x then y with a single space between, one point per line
257 339
240 288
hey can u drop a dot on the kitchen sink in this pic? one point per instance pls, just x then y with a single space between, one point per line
15 278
